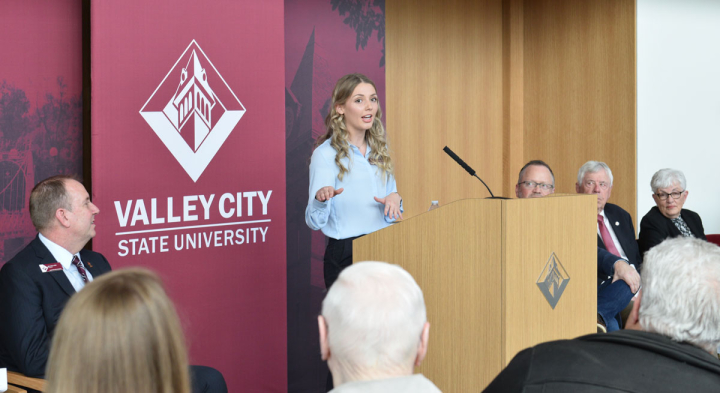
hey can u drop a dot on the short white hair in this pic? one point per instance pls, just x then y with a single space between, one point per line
681 291
593 167
666 178
375 313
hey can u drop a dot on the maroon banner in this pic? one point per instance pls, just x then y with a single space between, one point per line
40 107
188 166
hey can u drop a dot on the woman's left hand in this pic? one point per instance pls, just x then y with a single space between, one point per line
392 205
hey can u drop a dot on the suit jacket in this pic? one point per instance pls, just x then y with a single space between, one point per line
622 361
622 225
654 228
30 305
606 264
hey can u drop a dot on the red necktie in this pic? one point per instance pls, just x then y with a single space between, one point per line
76 261
606 238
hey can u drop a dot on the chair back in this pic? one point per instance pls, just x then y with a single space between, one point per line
715 239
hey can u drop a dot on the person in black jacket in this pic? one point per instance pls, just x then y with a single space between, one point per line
668 218
669 345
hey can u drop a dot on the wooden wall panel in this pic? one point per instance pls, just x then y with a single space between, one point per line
502 82
444 87
579 88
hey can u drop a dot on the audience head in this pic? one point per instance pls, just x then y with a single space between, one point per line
669 191
595 177
373 323
680 296
119 334
536 180
60 209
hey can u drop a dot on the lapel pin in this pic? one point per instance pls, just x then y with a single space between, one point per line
617 223
88 264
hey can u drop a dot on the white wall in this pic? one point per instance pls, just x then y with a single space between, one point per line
678 100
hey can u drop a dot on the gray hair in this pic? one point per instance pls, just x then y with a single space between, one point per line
681 292
375 313
593 167
666 178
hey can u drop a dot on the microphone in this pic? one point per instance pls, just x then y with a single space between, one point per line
461 162
468 169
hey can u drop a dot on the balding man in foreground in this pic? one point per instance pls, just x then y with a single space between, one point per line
374 330
669 345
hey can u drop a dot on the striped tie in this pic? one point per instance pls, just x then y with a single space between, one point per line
78 263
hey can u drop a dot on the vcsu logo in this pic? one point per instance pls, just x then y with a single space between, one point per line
193 111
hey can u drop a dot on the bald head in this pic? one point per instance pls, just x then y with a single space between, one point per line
374 319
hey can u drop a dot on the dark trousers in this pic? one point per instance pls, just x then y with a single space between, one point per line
612 298
338 256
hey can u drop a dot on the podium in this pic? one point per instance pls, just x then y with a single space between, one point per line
498 276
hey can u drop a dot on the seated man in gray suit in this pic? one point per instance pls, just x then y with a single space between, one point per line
669 344
36 283
617 280
374 330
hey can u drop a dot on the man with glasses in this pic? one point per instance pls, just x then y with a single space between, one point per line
619 280
536 180
668 218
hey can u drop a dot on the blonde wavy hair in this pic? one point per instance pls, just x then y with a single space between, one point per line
338 134
119 334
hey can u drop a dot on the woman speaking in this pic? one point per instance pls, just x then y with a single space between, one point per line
352 187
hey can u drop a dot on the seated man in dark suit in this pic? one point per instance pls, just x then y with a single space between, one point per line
536 179
616 235
669 344
668 218
36 283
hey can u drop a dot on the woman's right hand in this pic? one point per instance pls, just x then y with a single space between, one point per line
326 193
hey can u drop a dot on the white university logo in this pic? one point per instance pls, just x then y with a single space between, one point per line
193 110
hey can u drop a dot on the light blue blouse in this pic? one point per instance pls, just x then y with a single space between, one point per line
354 212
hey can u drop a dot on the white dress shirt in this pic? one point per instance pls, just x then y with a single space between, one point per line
64 257
612 235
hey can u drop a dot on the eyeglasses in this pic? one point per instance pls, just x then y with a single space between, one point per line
531 185
675 195
591 184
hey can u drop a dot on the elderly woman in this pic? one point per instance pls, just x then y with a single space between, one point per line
668 218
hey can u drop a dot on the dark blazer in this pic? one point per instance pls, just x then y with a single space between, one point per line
622 361
30 305
606 264
654 228
622 225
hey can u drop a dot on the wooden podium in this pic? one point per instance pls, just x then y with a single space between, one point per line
484 266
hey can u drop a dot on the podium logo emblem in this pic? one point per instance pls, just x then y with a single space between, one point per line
193 110
553 280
